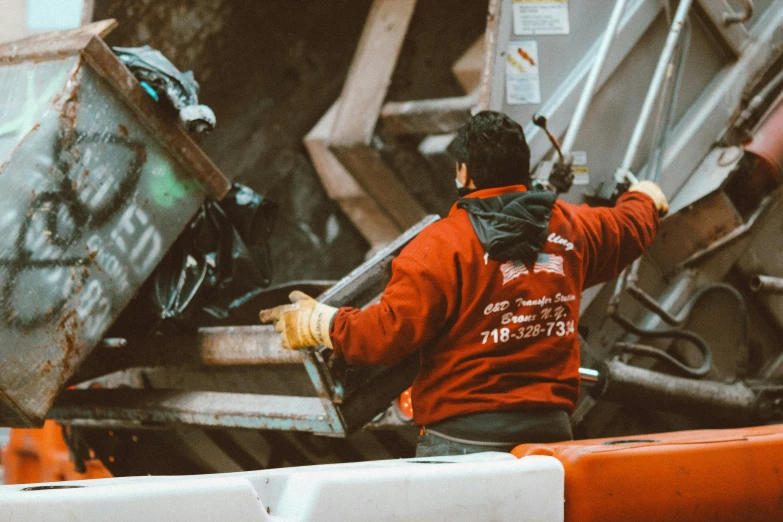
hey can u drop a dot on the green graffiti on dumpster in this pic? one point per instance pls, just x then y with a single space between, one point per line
166 186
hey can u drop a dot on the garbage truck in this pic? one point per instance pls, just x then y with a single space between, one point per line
681 360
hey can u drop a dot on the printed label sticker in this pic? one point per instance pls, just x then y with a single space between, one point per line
523 84
579 168
536 17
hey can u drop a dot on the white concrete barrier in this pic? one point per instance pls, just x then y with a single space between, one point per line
488 486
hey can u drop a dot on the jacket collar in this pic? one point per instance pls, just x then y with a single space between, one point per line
490 193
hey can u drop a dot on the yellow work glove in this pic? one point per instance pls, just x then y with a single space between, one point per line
655 192
304 323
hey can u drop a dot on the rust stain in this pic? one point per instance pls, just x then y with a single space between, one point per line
70 346
123 130
47 368
92 255
65 319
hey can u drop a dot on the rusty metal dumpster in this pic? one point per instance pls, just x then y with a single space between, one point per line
96 182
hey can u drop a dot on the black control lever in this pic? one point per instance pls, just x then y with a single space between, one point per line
540 121
561 177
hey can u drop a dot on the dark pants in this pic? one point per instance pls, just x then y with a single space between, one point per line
493 431
432 445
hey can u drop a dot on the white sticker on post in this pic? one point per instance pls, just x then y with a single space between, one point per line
523 84
541 17
579 168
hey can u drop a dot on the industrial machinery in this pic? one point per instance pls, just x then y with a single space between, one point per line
688 93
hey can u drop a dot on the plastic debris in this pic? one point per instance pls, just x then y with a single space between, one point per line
221 257
150 67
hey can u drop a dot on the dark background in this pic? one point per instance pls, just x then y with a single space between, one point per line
270 69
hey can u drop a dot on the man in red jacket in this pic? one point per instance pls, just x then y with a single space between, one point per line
489 297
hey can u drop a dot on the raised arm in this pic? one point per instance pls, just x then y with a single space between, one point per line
615 237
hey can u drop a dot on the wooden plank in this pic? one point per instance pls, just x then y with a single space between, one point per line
371 71
379 181
467 69
441 116
369 218
168 131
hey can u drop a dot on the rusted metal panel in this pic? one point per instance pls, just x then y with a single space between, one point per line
138 408
95 184
53 46
167 129
213 346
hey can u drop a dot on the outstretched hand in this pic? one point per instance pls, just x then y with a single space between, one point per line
304 322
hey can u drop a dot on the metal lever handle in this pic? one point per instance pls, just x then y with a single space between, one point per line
540 121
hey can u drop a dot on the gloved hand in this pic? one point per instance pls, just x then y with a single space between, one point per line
655 192
304 323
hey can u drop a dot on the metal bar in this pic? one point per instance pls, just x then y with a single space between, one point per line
592 79
327 391
660 150
558 109
656 84
588 377
212 346
640 387
490 43
766 284
366 281
706 120
152 408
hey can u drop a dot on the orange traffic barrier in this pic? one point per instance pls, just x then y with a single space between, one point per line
40 455
734 474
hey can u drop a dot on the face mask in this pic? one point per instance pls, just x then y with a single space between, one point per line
459 185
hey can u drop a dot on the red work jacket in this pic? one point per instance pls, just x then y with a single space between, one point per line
494 335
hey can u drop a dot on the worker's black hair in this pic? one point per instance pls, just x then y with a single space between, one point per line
493 147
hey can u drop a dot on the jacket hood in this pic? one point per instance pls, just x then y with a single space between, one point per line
511 226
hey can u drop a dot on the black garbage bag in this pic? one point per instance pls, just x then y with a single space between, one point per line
160 77
222 256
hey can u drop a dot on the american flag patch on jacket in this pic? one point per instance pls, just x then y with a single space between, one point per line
549 263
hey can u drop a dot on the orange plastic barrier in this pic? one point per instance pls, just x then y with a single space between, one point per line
732 474
40 455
